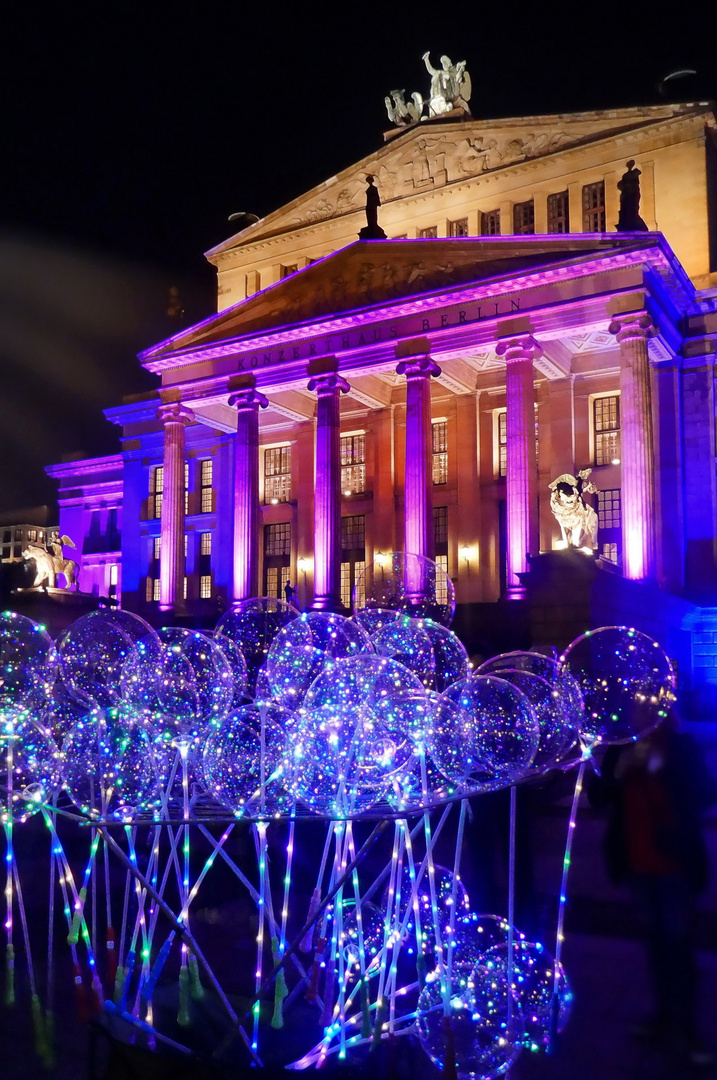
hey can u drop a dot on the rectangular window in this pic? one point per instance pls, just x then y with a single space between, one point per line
113 576
353 533
353 562
594 207
429 233
606 428
458 228
609 509
155 594
205 587
440 527
439 435
277 474
277 539
524 218
490 223
353 464
207 495
149 590
184 590
609 552
205 543
32 534
156 488
558 212
441 583
157 548
186 487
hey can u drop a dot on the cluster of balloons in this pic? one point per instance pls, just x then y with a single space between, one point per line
277 712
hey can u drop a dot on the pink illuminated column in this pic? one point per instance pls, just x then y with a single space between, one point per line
638 503
246 492
521 478
327 491
418 487
175 418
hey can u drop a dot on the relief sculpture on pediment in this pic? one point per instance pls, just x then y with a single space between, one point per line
319 211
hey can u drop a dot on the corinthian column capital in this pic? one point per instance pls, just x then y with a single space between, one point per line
173 412
522 347
636 325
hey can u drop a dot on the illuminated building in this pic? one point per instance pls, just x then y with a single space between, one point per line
420 393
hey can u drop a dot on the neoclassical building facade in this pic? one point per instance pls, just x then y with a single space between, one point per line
353 398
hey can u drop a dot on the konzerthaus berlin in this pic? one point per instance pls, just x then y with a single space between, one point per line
351 398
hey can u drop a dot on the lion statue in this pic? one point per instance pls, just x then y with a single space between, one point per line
577 519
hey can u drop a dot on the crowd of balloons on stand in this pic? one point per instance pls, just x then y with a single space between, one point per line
142 741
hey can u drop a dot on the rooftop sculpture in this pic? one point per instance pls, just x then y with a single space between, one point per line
450 89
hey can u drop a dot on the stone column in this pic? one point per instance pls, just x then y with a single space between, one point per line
636 453
327 491
521 469
246 492
175 418
418 486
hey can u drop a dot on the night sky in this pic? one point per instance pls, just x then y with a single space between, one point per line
131 132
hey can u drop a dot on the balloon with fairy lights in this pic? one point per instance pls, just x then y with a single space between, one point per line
373 619
28 663
405 640
304 648
109 764
245 761
485 734
474 1019
557 733
626 680
237 663
451 658
555 674
181 681
33 763
408 583
412 906
252 626
540 986
93 652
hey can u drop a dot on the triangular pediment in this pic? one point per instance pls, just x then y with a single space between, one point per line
378 273
430 156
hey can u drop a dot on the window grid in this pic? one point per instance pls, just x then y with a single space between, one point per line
205 543
524 218
157 548
156 490
441 583
609 514
155 593
458 228
351 579
277 474
277 539
207 501
609 552
186 487
594 207
353 464
503 441
353 533
440 525
490 223
205 586
559 212
439 436
429 233
606 428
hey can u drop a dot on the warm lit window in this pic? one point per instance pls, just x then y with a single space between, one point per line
458 228
439 434
184 590
524 218
353 464
559 212
609 509
155 595
205 543
277 474
205 586
186 487
606 429
113 574
207 496
277 539
156 489
594 207
157 547
32 534
429 233
441 581
609 552
490 223
353 558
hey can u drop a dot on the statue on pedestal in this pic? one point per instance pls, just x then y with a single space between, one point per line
450 86
372 230
629 219
578 520
50 561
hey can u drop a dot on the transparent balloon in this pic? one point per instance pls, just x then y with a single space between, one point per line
93 652
109 764
626 680
304 648
544 1000
557 733
252 626
408 583
554 673
246 761
28 662
485 734
31 770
